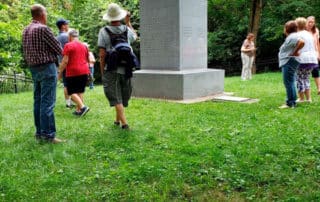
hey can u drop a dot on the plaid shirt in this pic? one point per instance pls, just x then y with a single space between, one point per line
39 44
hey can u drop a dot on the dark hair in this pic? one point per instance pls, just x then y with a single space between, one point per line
291 26
37 10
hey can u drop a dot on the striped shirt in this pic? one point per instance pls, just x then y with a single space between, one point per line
39 44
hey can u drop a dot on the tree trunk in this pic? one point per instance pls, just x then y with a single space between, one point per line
255 15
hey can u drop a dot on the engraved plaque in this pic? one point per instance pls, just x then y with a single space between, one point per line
174 51
173 34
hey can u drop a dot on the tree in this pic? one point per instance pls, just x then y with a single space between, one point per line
255 15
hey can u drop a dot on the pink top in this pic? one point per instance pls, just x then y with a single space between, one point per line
316 41
248 45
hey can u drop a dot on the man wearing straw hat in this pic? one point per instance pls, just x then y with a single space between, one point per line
117 87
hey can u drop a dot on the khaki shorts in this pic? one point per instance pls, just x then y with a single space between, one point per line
116 88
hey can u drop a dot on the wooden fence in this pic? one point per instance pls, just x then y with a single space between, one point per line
15 83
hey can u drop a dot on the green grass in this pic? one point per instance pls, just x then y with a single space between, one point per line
209 151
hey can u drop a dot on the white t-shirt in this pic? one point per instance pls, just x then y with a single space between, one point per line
308 53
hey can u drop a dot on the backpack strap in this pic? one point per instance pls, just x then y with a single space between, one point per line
117 38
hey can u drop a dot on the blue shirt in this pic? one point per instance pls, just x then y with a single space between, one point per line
63 39
287 48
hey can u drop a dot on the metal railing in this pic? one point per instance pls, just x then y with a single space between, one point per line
14 83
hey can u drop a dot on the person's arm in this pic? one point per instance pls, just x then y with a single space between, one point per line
51 40
102 56
317 43
245 46
299 45
128 23
92 59
62 66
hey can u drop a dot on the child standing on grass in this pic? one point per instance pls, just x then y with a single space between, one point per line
289 63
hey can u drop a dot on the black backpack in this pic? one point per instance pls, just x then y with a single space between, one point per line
121 53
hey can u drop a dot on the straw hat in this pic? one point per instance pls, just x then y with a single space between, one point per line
114 13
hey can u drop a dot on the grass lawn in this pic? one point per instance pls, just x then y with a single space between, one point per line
209 151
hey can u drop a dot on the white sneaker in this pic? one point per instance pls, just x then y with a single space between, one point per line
285 106
299 101
309 101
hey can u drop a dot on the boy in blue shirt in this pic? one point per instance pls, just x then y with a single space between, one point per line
289 63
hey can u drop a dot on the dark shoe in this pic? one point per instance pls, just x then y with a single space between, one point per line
117 123
83 111
38 137
70 106
125 127
76 113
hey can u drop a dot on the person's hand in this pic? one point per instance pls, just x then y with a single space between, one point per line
295 54
60 76
127 18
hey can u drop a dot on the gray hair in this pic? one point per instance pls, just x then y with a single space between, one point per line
73 33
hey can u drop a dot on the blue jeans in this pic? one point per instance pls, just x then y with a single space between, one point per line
289 77
92 73
44 95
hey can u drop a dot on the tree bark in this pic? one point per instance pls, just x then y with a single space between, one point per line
255 15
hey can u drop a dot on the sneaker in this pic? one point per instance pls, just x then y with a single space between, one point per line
285 106
116 123
308 101
57 141
299 101
70 106
76 113
84 110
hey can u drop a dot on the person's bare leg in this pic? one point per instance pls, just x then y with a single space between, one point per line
66 96
317 81
301 96
308 94
77 99
120 117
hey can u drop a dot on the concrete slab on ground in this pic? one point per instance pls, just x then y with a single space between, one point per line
223 97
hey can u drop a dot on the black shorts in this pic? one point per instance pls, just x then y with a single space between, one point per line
76 84
315 72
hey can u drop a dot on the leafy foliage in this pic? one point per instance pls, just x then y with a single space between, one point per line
228 23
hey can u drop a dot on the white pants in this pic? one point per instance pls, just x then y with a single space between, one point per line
246 66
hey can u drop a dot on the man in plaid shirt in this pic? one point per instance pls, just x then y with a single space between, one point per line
40 49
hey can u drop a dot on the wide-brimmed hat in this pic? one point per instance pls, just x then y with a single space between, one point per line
114 13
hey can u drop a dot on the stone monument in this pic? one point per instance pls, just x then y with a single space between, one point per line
173 46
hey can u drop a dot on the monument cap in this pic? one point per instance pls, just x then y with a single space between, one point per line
114 13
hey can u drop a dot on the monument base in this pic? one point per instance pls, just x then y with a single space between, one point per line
177 85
